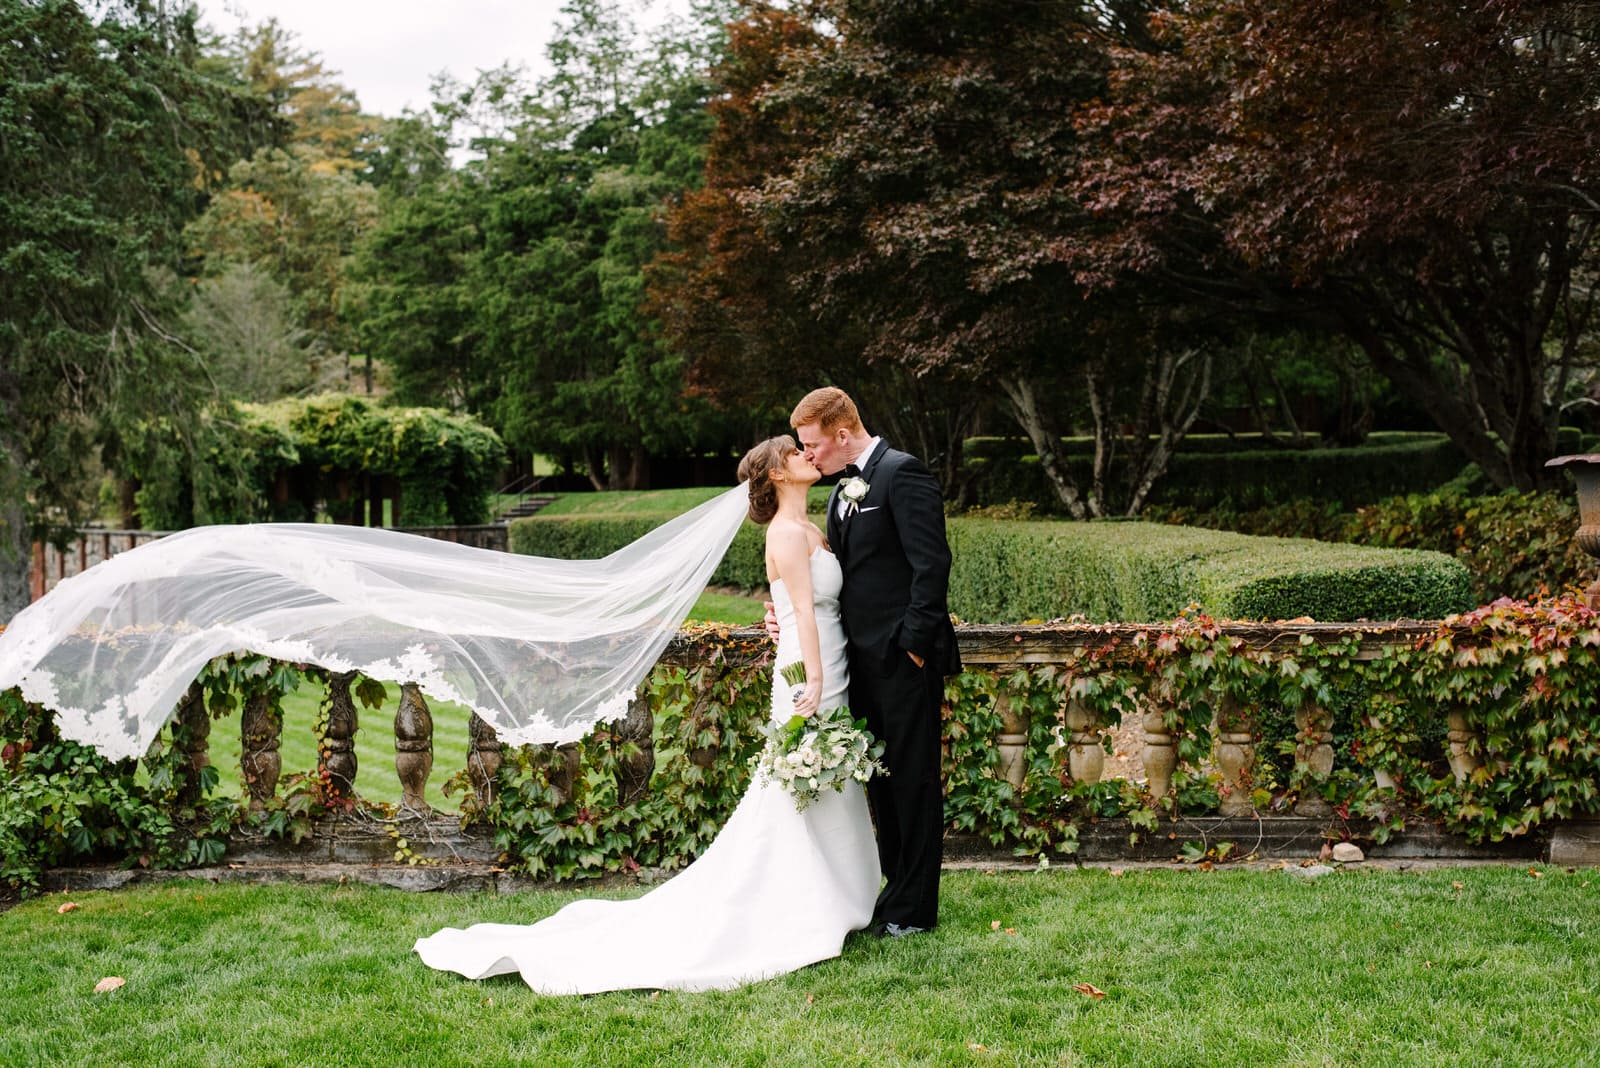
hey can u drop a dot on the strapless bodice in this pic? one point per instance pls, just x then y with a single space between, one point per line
827 579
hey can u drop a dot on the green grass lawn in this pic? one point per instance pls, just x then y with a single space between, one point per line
1242 967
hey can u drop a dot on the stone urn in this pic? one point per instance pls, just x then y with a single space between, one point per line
1585 468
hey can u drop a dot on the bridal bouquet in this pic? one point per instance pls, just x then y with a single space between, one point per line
807 756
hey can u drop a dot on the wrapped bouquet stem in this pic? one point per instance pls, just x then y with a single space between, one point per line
807 756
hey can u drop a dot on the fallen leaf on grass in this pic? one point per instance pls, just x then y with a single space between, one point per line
108 984
994 925
1116 871
811 999
1458 886
68 907
1011 930
1089 990
976 1047
1536 873
1427 964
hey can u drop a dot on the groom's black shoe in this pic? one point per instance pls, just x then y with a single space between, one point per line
895 930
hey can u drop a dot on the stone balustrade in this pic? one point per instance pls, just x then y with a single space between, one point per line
1000 649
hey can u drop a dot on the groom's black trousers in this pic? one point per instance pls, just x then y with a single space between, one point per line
903 708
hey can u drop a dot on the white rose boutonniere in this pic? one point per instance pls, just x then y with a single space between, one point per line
853 490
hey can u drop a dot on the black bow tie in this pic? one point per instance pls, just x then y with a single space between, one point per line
852 471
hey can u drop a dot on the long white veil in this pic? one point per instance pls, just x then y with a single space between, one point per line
542 649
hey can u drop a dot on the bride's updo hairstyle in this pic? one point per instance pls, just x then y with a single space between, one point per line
756 468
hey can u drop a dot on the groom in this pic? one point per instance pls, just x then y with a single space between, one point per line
886 526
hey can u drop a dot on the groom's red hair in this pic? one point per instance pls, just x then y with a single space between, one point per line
829 406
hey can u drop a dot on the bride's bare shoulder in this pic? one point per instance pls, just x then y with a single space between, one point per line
798 533
784 533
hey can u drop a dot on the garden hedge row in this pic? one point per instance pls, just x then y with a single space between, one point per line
1247 478
1247 471
1009 572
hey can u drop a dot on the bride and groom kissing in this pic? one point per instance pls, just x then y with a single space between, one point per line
865 609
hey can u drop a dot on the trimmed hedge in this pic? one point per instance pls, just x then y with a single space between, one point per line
989 448
1517 545
1007 572
589 538
1246 478
1141 572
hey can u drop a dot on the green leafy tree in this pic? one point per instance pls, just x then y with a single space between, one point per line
110 137
514 286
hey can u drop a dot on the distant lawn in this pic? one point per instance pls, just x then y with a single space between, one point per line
1243 967
375 774
653 502
727 608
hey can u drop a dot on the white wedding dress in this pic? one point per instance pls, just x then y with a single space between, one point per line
777 890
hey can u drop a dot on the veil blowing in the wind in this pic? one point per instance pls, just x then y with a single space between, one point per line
542 649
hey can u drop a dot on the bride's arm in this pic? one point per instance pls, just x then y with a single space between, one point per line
791 552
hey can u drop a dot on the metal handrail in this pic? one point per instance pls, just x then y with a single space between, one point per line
521 488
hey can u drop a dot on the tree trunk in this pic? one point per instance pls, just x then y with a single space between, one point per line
1023 403
16 534
1172 404
594 466
929 417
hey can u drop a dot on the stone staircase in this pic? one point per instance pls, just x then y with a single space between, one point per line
524 507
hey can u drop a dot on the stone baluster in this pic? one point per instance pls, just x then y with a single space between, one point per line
701 756
563 771
194 736
1463 761
1086 757
483 758
261 730
1160 756
1236 756
1313 756
636 755
1013 741
413 747
336 759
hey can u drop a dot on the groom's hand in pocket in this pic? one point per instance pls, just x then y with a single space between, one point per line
771 621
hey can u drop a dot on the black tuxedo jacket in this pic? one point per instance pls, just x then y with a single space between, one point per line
896 565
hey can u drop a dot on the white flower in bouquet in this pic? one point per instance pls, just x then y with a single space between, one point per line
806 756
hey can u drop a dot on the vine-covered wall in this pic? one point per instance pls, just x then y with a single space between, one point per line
1487 724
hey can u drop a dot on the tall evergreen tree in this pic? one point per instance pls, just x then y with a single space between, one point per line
110 142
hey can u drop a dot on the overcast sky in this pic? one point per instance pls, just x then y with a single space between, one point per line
388 50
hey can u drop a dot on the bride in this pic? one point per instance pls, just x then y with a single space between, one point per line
778 889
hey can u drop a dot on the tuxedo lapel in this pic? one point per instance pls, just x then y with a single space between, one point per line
866 476
872 461
834 527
